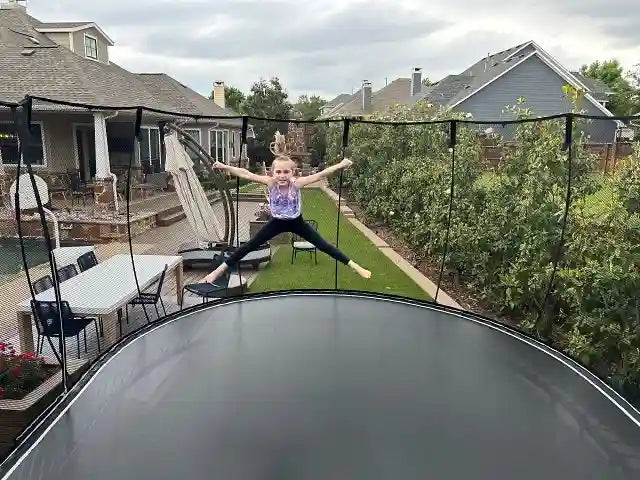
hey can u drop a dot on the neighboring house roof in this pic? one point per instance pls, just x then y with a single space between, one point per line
455 89
31 63
599 89
184 98
339 100
396 92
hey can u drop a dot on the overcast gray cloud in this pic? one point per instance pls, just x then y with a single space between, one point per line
329 47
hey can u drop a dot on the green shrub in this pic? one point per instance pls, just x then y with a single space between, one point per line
507 224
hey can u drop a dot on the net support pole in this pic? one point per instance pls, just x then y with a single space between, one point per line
24 140
345 142
453 137
136 136
568 147
243 142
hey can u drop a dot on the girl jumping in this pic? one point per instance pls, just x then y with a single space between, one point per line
285 204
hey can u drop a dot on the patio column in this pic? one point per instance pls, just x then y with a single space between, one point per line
103 185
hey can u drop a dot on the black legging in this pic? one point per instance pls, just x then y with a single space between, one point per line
277 226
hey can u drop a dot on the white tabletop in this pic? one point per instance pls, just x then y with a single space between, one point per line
108 286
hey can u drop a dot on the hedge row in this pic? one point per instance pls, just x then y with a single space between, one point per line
507 223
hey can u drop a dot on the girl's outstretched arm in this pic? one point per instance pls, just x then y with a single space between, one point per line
244 173
308 180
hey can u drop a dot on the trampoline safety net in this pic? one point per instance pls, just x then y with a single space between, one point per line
527 221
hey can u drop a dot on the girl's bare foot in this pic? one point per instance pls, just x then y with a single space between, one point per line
363 272
213 276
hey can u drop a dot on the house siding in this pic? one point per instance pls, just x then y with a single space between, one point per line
542 88
61 38
78 44
58 139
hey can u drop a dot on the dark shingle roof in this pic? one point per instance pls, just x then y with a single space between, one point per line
45 69
396 92
598 88
182 96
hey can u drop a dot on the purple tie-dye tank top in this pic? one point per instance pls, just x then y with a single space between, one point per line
285 204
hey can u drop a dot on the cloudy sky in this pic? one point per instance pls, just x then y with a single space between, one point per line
328 47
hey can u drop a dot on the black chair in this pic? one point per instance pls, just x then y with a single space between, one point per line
149 298
39 286
42 284
67 272
87 261
299 244
210 290
47 315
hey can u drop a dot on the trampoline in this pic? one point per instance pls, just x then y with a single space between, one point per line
328 386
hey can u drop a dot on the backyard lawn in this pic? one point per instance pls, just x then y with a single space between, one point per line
386 277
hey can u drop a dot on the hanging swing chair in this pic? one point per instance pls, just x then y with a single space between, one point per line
216 232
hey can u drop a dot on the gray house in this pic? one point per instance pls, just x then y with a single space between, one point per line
70 62
493 82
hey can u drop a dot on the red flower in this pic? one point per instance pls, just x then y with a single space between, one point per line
28 356
2 347
16 372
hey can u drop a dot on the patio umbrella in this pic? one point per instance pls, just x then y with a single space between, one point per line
195 203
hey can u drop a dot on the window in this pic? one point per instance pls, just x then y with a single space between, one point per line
91 47
219 145
149 150
193 133
33 154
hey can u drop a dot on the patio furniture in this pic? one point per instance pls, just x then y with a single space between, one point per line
87 260
42 284
78 189
149 298
39 286
207 290
67 272
48 317
299 244
102 291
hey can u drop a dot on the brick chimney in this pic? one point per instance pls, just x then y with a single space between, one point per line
416 81
218 93
366 96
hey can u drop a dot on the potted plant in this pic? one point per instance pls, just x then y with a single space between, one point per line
28 385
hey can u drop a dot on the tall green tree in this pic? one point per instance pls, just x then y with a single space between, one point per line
309 106
625 99
268 99
233 97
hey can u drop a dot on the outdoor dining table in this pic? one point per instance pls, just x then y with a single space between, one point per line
103 290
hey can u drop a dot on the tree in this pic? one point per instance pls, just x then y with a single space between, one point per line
625 99
233 98
426 82
268 99
309 107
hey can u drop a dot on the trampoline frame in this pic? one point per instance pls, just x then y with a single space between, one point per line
34 435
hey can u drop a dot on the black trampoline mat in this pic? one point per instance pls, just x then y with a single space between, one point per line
335 387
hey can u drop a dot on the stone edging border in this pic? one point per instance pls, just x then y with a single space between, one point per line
423 282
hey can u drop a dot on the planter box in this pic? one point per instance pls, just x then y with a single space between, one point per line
256 225
16 415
